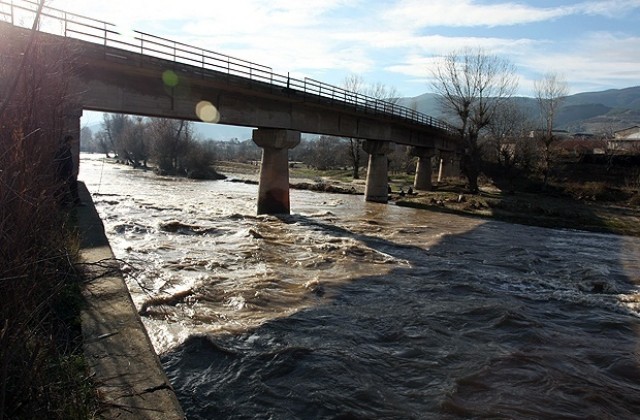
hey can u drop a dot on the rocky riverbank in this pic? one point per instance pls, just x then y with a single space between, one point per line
619 216
536 209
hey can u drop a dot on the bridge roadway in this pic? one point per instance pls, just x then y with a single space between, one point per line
142 74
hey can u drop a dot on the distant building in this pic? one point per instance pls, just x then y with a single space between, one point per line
558 134
583 136
627 140
631 133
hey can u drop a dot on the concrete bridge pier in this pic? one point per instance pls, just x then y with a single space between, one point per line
273 191
449 165
422 180
377 186
71 127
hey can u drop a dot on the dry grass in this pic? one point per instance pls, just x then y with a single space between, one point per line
42 372
537 209
40 362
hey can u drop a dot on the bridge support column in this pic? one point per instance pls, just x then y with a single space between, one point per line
456 166
273 191
71 127
422 181
449 165
377 186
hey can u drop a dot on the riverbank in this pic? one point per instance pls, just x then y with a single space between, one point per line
620 217
126 372
534 209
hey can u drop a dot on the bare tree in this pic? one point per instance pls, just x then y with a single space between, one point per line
102 142
472 85
87 141
114 127
400 160
505 138
355 83
550 92
134 142
170 143
325 153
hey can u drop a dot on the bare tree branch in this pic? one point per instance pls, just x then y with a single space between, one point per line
13 86
472 86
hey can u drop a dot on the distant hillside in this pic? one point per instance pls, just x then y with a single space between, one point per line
426 103
591 112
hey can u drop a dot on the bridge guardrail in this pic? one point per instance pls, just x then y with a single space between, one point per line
59 22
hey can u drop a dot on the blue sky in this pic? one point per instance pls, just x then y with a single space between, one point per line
593 44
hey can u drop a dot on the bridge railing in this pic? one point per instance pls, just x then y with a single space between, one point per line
59 22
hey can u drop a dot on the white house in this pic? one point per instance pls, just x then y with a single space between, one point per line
627 139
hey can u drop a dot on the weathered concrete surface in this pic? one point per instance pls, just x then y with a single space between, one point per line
273 191
377 186
130 380
108 79
422 180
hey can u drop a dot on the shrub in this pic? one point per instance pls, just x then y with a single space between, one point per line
595 191
41 372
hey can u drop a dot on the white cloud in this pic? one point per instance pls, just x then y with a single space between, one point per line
436 46
607 8
237 14
598 60
601 58
395 38
468 13
471 13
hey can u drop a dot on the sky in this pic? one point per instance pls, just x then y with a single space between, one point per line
594 44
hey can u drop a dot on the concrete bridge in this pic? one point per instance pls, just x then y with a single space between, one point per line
138 73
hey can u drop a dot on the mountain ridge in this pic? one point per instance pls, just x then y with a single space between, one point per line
585 112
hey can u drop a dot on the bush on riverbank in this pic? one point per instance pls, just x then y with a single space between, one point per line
42 373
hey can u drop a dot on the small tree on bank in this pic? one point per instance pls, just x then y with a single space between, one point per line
472 85
550 93
506 142
114 127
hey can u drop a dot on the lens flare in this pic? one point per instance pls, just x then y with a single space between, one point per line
207 112
170 78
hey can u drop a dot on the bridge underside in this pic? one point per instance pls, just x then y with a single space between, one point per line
101 78
124 82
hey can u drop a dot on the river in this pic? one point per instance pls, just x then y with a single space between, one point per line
355 310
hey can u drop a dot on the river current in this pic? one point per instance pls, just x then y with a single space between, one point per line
355 310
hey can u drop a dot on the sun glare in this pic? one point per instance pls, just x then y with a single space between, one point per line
207 112
170 78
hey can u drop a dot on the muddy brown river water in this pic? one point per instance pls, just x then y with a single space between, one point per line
355 310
